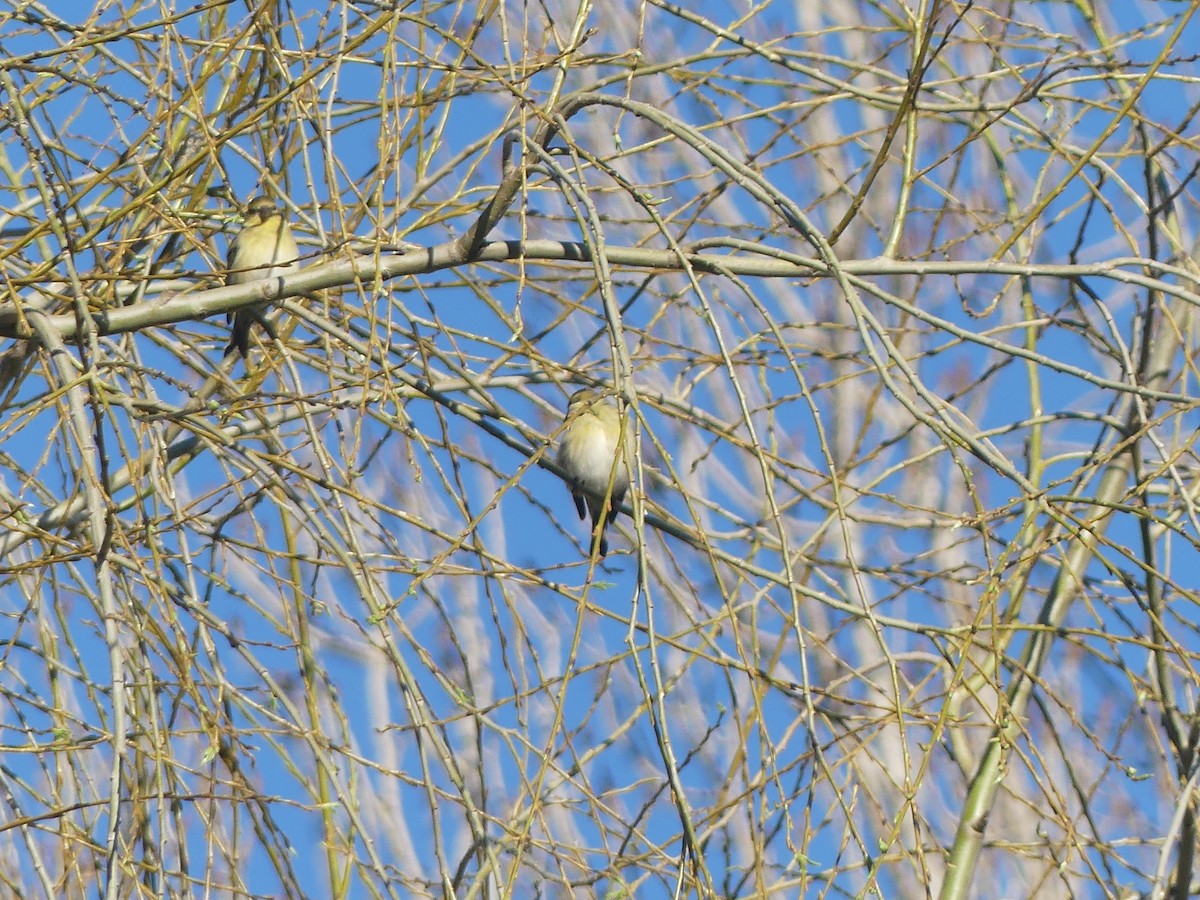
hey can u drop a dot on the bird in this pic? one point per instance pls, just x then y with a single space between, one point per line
588 454
264 248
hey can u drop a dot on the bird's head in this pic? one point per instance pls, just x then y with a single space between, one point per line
260 209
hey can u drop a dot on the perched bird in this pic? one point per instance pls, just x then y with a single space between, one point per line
588 454
264 248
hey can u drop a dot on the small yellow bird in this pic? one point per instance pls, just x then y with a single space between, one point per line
588 453
264 248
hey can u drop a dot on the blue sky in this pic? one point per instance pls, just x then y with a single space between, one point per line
463 623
